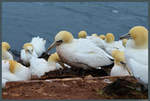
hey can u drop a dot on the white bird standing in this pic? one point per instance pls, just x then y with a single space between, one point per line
6 55
14 71
119 68
80 53
111 44
136 53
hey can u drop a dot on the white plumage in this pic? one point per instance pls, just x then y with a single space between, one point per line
39 66
83 51
36 47
6 55
39 45
21 72
109 47
137 61
96 40
25 56
119 70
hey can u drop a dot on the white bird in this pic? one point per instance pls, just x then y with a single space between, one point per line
111 44
14 71
39 66
36 47
80 53
6 55
136 53
27 52
119 68
93 38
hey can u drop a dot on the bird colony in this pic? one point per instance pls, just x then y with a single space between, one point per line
129 55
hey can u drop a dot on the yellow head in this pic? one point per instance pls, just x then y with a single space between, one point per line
110 37
64 37
60 38
5 46
95 35
118 56
28 47
124 42
53 58
13 66
102 37
140 35
82 34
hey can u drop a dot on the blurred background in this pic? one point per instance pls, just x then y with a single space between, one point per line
23 20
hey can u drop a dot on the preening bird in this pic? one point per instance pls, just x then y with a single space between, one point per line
36 47
27 52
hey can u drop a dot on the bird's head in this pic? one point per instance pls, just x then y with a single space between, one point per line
124 42
82 34
28 47
62 37
5 46
54 58
140 35
95 35
102 37
118 56
110 38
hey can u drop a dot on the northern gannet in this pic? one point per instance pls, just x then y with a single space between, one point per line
119 68
39 66
6 55
27 52
136 53
14 71
80 53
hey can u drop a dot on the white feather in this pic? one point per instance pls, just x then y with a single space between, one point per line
21 73
137 61
118 70
6 55
39 66
109 47
96 40
39 45
84 51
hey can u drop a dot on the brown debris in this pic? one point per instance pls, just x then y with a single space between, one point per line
68 88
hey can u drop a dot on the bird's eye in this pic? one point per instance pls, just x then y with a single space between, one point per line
59 42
